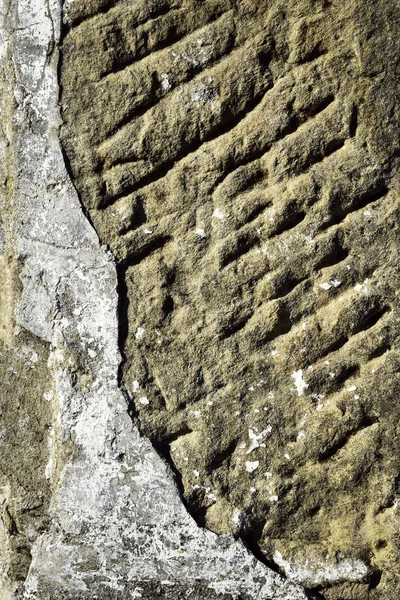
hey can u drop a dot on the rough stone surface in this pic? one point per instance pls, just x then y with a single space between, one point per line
88 508
239 159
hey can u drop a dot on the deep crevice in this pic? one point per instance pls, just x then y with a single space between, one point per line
228 122
164 44
143 252
156 96
331 450
294 123
244 242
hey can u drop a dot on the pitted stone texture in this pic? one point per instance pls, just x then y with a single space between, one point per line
239 159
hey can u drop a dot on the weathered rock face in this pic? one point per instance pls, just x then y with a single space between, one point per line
88 509
239 160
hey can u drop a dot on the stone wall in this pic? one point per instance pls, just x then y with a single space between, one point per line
199 307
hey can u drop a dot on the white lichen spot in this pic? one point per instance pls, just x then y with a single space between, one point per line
143 400
352 388
135 386
196 473
238 517
165 84
253 490
218 214
300 435
273 498
328 285
203 93
356 397
299 382
319 407
268 474
287 456
252 465
251 388
200 232
361 287
139 333
148 231
256 438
